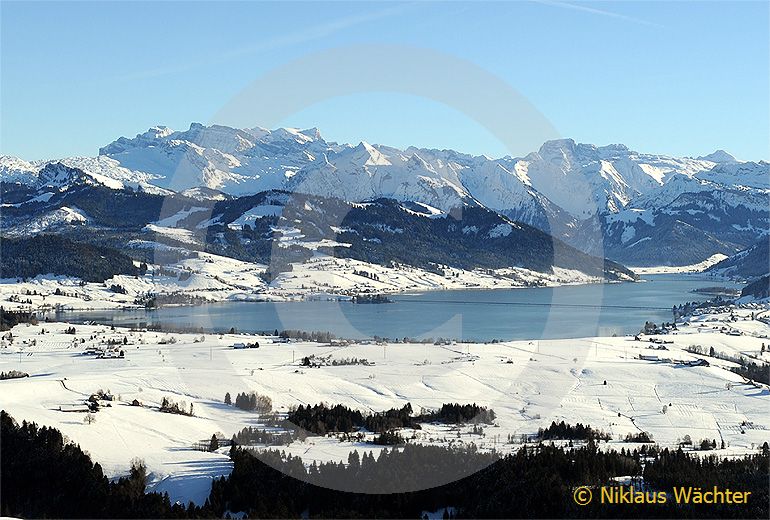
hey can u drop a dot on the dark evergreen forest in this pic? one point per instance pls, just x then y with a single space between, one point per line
54 254
42 475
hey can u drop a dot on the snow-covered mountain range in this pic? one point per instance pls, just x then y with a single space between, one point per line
638 208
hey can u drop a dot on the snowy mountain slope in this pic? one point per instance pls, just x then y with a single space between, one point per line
585 179
669 242
719 156
15 170
749 263
203 193
364 172
582 179
723 210
54 220
58 176
237 161
60 173
284 228
568 189
746 183
108 208
565 178
385 231
743 174
689 229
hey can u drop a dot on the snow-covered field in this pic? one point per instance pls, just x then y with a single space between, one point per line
694 268
339 275
217 278
616 384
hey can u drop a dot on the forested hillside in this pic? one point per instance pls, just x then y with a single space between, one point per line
53 254
42 475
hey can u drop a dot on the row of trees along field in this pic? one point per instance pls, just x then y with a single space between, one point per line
322 419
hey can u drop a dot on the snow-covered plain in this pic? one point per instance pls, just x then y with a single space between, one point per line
694 268
527 383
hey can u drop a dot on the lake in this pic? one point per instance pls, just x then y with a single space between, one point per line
483 315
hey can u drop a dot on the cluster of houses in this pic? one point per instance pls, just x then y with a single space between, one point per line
105 352
239 346
689 362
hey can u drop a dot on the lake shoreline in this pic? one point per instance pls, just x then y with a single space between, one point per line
618 384
479 314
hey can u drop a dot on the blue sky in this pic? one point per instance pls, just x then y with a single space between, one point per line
680 78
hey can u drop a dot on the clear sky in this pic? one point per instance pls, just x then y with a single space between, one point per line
682 78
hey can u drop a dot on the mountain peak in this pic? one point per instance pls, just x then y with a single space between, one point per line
558 144
59 175
159 132
291 134
616 147
367 155
314 133
720 156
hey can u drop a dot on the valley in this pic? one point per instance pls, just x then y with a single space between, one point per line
678 387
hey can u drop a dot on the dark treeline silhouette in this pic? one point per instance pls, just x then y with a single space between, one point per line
41 475
321 419
251 435
751 370
318 336
320 361
366 274
44 254
745 368
252 402
44 476
759 288
382 422
9 319
169 406
370 298
456 413
638 437
13 374
676 468
535 482
389 438
579 432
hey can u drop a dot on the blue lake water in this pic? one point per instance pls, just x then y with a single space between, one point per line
529 313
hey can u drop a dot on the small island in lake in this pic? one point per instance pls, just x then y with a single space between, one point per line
370 298
718 291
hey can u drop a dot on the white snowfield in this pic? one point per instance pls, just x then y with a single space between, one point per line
694 268
218 278
616 384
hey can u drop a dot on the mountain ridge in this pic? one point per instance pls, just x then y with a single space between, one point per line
574 191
